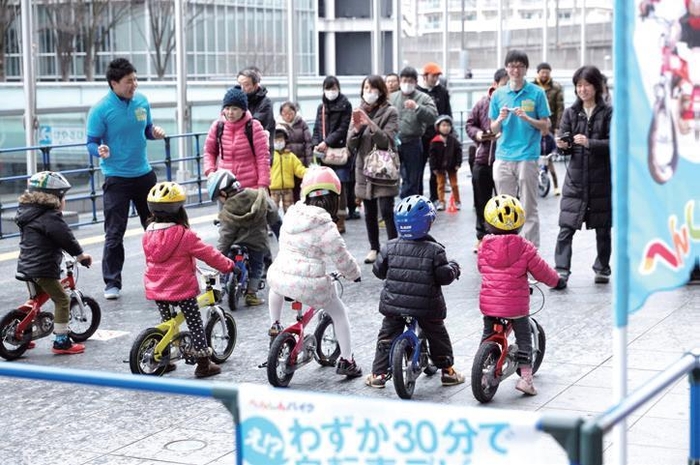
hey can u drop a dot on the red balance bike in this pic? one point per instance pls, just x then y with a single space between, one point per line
291 349
27 323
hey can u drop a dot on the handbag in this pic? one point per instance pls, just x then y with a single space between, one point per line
333 156
382 167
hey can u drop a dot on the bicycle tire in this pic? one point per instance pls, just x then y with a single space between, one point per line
279 361
402 369
233 295
327 347
11 348
538 356
141 361
222 343
543 183
483 370
82 330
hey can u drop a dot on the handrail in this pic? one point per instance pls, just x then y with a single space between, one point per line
592 430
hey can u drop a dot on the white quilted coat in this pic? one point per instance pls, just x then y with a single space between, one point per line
307 240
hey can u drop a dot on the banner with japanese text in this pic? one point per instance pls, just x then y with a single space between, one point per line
663 157
281 426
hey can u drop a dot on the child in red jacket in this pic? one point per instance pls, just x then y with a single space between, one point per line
504 260
172 249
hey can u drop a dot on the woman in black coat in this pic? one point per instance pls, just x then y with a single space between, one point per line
587 194
335 111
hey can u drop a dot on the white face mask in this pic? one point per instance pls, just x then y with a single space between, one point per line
407 88
370 97
331 94
279 146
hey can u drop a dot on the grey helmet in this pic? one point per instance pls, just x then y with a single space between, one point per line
50 182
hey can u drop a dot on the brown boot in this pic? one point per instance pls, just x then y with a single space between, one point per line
341 224
206 367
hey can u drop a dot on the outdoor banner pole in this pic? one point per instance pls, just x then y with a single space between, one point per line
397 62
376 37
499 36
545 26
446 39
583 32
620 165
181 86
291 53
29 83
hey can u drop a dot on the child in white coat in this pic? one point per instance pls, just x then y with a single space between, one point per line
307 239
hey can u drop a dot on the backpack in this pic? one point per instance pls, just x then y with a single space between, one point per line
248 134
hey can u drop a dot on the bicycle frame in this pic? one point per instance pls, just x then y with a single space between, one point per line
303 320
411 334
37 299
502 330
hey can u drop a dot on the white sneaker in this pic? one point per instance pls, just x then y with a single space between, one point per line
371 257
112 293
526 386
439 206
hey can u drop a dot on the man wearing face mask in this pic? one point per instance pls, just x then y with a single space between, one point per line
417 111
441 97
259 104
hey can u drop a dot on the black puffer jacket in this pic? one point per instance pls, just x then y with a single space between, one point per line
337 116
44 235
414 273
260 106
587 193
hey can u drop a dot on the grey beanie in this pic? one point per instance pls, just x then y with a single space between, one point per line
235 98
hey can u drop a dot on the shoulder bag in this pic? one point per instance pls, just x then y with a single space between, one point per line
338 156
382 167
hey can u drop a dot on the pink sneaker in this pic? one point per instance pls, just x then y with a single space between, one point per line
525 384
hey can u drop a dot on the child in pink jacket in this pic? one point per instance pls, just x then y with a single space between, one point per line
172 249
504 260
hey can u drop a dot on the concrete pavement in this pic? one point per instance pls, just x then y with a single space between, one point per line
51 423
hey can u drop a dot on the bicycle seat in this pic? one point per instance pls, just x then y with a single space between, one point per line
22 277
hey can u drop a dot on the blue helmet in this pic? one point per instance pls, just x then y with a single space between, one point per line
413 217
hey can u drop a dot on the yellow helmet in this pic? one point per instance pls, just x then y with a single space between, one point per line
166 197
504 212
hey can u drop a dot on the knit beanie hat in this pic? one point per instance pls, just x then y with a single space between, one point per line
543 65
235 98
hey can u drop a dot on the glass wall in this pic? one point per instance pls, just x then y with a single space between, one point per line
222 37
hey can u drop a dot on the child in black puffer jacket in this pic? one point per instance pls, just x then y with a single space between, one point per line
414 267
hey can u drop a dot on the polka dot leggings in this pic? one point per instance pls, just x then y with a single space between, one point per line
192 317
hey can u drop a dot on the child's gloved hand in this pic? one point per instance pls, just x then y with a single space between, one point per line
455 268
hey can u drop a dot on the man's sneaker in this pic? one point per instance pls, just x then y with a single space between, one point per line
112 293
451 377
348 368
458 205
601 278
376 381
440 206
275 329
63 345
252 300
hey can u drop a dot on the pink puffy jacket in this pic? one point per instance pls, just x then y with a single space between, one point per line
251 169
504 262
171 252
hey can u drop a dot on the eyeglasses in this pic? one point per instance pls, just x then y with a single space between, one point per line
518 67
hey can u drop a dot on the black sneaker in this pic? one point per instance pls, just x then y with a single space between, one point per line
348 368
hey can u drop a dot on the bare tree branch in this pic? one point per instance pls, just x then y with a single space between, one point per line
8 13
97 27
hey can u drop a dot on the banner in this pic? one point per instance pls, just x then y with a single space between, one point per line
282 426
664 146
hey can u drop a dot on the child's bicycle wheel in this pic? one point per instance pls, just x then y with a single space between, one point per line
537 354
484 381
327 348
221 336
543 183
141 356
84 324
11 347
234 292
402 371
279 363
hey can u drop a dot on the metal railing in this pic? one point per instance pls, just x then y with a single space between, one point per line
582 440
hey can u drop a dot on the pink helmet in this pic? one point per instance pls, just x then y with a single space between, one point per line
320 180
